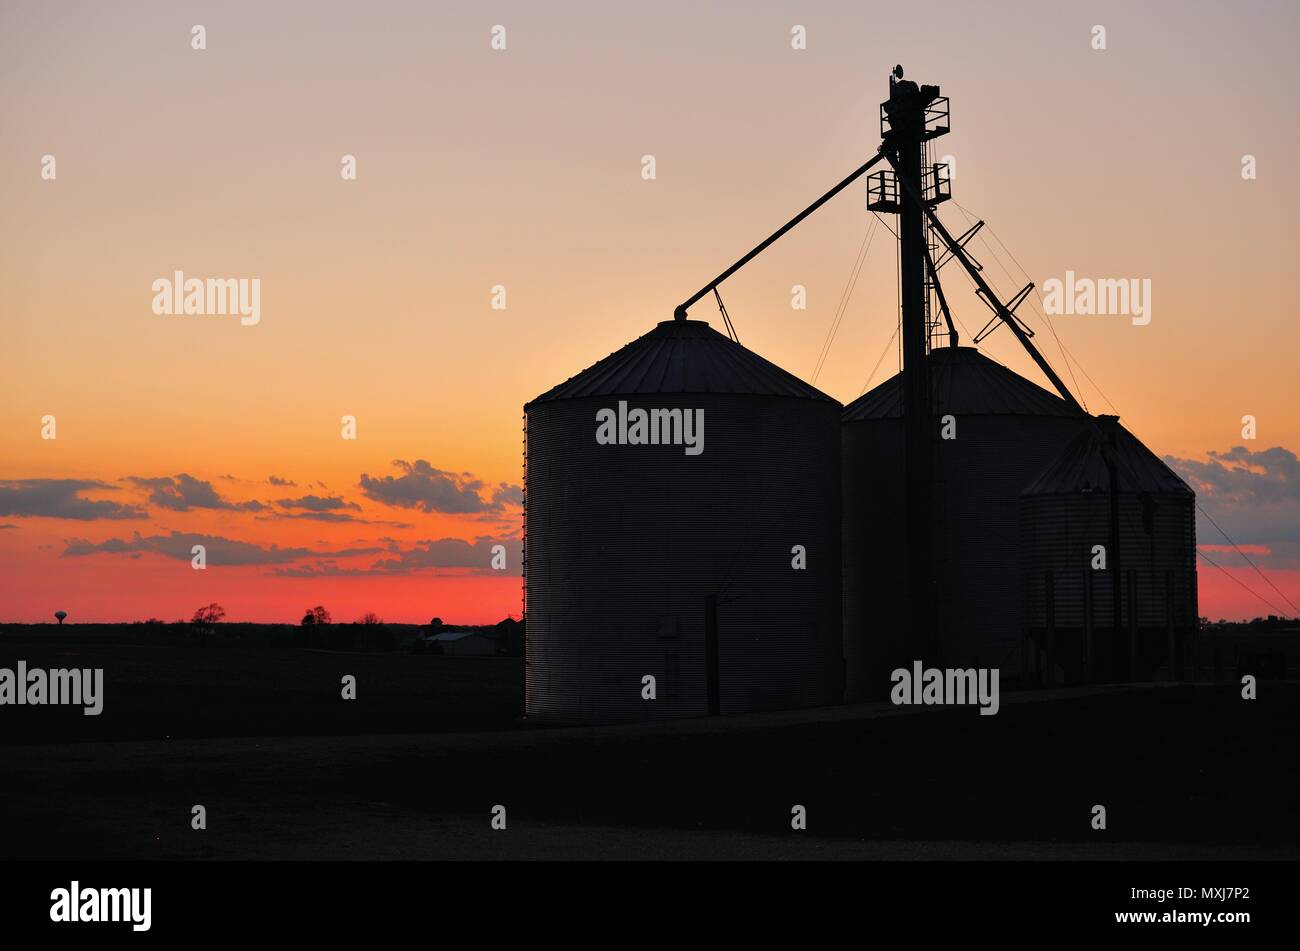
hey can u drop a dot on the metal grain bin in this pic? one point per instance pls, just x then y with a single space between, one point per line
642 559
1008 430
1065 513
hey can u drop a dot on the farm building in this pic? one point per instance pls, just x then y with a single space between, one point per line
465 643
1108 535
704 554
1005 430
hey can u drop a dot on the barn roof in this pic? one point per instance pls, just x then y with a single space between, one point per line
461 635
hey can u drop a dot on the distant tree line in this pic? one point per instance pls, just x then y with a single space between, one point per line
316 629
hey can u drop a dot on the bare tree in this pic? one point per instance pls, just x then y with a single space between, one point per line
206 618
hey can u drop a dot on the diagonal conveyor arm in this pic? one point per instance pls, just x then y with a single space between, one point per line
1000 308
680 312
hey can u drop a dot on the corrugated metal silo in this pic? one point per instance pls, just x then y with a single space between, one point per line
639 559
1066 512
1007 431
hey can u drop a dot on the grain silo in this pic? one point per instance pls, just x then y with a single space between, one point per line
1107 518
993 432
670 491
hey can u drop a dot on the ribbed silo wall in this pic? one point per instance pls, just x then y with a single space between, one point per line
979 476
625 544
875 633
1059 533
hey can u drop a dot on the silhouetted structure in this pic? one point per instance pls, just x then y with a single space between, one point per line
1107 490
1006 430
620 543
473 643
936 458
644 560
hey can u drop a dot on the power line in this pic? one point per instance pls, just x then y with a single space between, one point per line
1248 560
1240 582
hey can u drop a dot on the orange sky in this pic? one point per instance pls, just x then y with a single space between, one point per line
522 167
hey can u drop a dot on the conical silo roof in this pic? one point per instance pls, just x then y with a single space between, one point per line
682 356
1081 467
963 382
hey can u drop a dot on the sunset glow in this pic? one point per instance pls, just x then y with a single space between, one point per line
524 172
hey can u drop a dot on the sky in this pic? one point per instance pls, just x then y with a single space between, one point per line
523 168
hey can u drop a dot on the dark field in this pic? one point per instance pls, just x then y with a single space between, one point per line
223 689
1189 771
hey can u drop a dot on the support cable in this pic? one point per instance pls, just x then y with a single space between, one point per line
845 296
726 318
1038 296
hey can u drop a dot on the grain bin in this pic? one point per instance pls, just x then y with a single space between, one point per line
647 558
1066 515
1004 431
